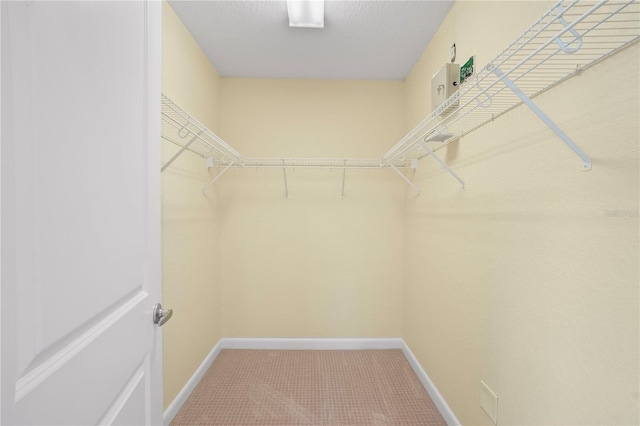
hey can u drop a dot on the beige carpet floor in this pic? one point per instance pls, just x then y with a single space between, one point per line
331 388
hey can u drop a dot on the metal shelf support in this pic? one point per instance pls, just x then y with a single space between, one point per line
183 149
217 177
586 161
395 169
442 163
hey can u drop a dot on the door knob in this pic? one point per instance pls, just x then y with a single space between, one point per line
160 316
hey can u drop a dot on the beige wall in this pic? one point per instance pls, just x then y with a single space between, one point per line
190 250
314 264
522 280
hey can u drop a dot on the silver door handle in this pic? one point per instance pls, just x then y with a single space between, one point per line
160 316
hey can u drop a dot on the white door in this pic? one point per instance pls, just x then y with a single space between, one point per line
80 247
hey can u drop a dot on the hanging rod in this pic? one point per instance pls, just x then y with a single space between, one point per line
320 163
569 38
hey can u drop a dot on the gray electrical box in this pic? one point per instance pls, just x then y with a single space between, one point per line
445 83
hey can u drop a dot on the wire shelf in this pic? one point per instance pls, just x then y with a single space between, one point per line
572 36
567 39
183 130
186 132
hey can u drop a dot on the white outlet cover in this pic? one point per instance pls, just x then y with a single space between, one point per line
489 402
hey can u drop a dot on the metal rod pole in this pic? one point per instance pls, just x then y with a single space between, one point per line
286 187
586 161
344 172
183 149
442 163
217 177
415 188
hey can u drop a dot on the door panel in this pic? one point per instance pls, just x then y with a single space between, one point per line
129 407
80 213
62 138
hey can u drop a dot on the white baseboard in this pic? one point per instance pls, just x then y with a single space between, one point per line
431 389
181 398
312 344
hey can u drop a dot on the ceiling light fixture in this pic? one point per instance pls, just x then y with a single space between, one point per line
306 13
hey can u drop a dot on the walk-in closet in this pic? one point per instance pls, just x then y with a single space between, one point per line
395 213
483 232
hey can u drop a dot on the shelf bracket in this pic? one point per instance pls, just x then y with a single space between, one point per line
344 174
586 161
286 187
217 177
442 163
415 188
183 149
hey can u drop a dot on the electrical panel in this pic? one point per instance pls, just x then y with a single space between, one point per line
444 84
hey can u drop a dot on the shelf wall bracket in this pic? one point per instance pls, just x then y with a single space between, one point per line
183 149
586 161
415 188
217 176
442 163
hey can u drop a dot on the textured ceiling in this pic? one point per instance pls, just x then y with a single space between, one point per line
363 40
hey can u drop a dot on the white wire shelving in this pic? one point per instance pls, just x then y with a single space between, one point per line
567 39
186 132
183 130
570 37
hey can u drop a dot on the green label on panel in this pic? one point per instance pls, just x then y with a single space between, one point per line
466 70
